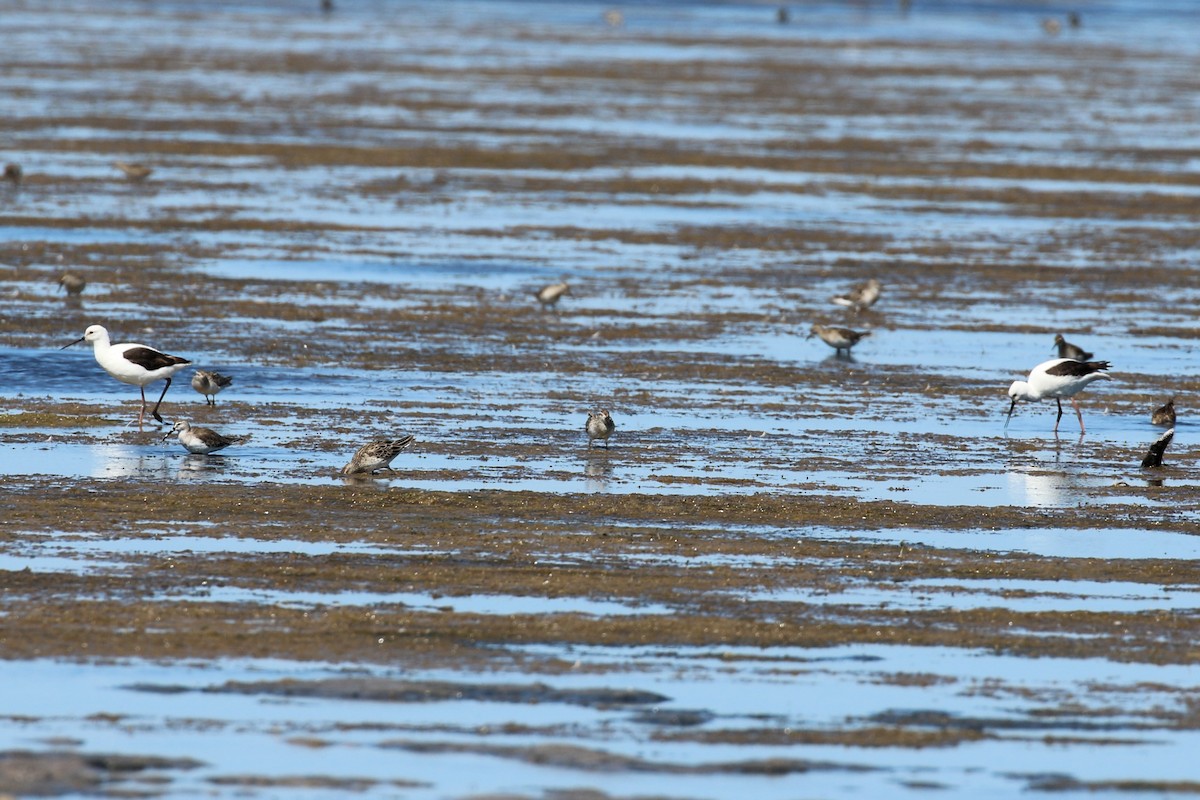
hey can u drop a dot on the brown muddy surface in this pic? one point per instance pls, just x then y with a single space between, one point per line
790 574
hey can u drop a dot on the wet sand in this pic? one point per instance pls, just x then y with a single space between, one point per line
790 574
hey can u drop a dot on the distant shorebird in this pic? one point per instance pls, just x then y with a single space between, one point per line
13 174
1057 378
376 455
838 338
1068 350
72 284
1164 414
1051 26
134 172
600 426
782 15
209 384
201 441
862 296
549 295
135 364
614 18
1154 455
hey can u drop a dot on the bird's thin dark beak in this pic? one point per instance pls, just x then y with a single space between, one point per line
1010 413
168 435
72 344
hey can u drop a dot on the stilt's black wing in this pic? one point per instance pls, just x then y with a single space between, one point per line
1154 455
1077 369
150 359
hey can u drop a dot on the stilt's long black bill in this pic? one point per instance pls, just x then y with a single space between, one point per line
1010 412
72 344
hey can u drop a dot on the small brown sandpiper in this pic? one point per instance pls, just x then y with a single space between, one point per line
600 426
209 384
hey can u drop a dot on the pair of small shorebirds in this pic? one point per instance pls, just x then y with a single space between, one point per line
859 298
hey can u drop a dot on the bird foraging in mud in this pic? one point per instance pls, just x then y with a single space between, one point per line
135 364
14 174
838 338
1057 378
1164 414
201 441
133 172
861 296
376 455
549 295
209 384
72 284
1154 455
1068 350
600 426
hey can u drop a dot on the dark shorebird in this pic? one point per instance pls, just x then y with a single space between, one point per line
1057 378
133 172
13 174
1154 455
600 426
1068 350
376 455
861 296
549 295
135 364
782 15
209 384
201 441
838 338
72 284
1164 414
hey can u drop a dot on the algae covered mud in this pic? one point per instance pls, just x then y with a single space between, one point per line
791 574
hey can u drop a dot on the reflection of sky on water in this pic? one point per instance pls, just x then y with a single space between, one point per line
835 688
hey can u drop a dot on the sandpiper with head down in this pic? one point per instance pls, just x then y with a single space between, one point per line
201 441
135 364
600 426
1057 378
133 172
209 384
549 295
72 284
838 338
376 455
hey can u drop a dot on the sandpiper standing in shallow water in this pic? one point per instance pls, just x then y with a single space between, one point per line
209 384
838 338
1164 414
862 296
72 284
600 426
201 441
549 295
13 174
1057 378
133 172
135 364
1068 350
376 455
